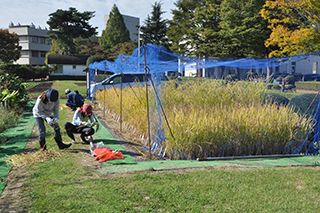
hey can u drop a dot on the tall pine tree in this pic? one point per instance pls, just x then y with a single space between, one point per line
116 31
155 28
181 27
243 29
66 25
206 38
229 28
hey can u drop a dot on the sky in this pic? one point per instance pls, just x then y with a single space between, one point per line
37 12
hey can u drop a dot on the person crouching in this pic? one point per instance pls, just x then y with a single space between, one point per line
82 123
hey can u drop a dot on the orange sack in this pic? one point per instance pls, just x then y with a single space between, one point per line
109 156
101 150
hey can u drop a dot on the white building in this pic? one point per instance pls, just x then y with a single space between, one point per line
131 24
68 65
34 42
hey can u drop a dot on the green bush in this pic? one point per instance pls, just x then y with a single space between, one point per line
9 120
10 83
27 71
276 99
302 102
290 79
309 85
68 77
279 79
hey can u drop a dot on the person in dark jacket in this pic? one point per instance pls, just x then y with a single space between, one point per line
74 100
82 98
47 109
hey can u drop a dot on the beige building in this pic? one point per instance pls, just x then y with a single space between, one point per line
131 24
34 42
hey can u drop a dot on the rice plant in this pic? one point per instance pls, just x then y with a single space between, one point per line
210 119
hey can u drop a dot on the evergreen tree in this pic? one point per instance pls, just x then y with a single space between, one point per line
181 27
243 29
66 25
206 38
116 31
9 46
229 28
155 28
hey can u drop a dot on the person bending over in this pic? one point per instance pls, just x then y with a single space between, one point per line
47 109
81 97
82 123
74 100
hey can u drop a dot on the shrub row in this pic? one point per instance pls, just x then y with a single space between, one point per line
27 71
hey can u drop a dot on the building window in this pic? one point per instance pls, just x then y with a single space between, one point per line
42 40
293 67
74 67
42 54
315 67
34 39
24 54
23 38
35 54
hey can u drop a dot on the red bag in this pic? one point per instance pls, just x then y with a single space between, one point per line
109 156
101 150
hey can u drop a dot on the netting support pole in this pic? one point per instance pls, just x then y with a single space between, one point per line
121 103
146 77
199 70
104 95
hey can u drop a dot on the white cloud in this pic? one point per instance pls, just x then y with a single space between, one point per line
37 12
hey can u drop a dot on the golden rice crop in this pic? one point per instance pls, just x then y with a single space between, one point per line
211 119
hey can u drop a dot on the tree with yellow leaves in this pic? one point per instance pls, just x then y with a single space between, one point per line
295 26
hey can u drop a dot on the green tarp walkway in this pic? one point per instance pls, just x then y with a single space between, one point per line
184 164
19 137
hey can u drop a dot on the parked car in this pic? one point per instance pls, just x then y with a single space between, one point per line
311 77
132 79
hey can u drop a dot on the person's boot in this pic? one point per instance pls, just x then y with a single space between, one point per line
85 138
43 145
62 145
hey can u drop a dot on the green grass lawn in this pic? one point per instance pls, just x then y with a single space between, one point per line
63 185
61 86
